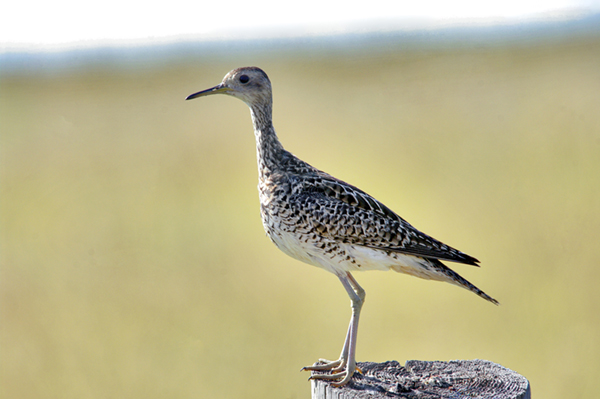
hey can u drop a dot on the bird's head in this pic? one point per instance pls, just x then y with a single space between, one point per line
249 84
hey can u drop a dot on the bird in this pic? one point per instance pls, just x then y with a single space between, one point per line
326 222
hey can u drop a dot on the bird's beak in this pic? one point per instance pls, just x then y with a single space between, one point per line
214 90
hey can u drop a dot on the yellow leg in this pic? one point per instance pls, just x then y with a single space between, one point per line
343 369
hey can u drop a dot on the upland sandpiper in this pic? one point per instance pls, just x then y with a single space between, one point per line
325 222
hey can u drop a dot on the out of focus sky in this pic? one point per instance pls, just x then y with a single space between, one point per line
33 25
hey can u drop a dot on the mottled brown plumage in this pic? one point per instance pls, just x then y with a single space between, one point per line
323 221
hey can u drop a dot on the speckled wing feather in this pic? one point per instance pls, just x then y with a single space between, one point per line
348 214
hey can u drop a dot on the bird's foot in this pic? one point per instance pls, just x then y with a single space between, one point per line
325 365
338 371
342 378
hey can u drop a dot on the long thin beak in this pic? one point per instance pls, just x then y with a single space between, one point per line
214 90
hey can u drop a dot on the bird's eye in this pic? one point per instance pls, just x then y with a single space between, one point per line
244 79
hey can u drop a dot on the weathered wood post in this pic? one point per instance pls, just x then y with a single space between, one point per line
456 379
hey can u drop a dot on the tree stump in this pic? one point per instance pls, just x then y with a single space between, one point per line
456 379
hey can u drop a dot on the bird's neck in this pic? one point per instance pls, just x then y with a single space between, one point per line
269 151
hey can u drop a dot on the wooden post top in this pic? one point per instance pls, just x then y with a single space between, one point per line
418 379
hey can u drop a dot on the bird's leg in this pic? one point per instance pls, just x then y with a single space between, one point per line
335 365
360 292
344 367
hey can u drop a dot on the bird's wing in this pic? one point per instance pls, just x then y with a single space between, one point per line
345 213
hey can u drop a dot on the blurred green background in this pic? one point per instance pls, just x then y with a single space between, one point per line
134 263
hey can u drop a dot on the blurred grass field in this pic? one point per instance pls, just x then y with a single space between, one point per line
133 258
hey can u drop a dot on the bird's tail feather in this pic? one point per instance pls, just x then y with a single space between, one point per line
457 279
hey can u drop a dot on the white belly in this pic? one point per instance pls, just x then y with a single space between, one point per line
343 257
